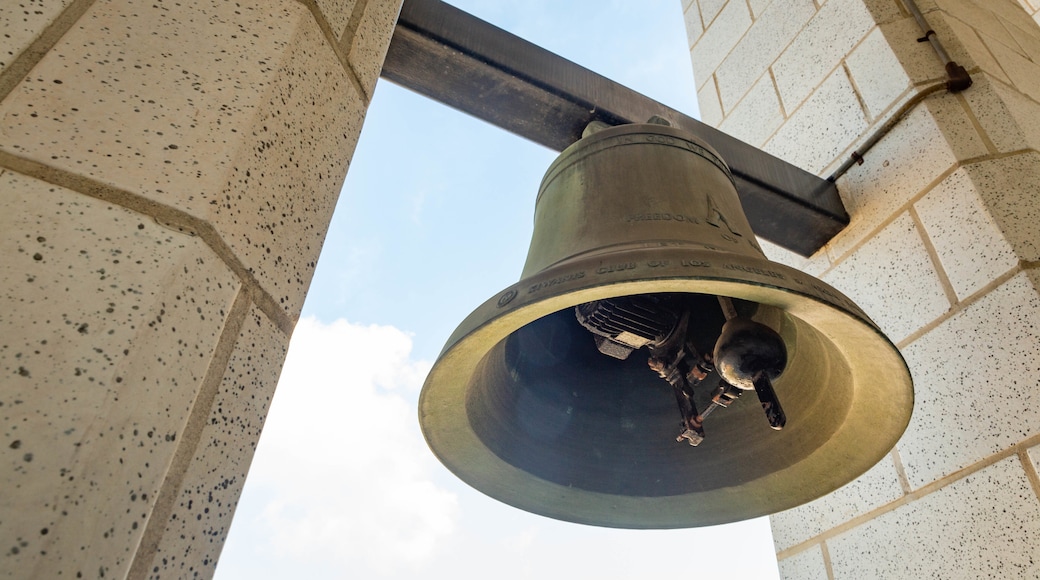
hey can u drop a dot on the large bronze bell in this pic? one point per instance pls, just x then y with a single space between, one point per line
583 391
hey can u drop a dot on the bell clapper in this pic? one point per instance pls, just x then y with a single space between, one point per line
727 307
749 355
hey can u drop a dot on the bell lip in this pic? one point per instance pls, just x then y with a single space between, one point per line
569 283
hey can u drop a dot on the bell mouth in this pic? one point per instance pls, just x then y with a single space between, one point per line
523 407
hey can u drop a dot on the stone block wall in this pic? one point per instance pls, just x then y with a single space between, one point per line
943 252
167 174
1032 7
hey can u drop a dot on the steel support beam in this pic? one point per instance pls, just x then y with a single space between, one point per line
453 57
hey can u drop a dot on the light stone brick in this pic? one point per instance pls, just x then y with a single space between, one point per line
1010 187
108 322
718 39
892 278
369 42
766 39
710 9
757 116
976 381
958 126
202 512
868 492
969 51
257 151
708 104
1010 120
978 527
758 7
1028 39
877 74
885 11
987 23
1009 11
968 241
917 59
838 27
337 13
814 136
692 19
1023 74
807 565
902 165
22 22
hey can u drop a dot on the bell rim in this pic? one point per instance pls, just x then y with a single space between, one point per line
679 268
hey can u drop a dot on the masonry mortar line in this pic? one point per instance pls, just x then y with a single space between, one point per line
23 64
933 255
960 306
331 40
1030 469
703 21
990 146
982 39
882 117
827 75
779 99
1004 24
868 236
718 95
769 69
739 41
897 460
855 88
353 21
700 21
347 40
893 216
827 565
911 497
163 214
191 436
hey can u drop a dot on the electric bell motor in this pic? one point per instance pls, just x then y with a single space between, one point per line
651 368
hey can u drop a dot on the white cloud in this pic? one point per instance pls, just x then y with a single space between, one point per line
344 469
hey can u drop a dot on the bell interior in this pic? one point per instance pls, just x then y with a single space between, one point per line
547 402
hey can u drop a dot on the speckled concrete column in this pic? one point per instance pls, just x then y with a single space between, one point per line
167 173
943 252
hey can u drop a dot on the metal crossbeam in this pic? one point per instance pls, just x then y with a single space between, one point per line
457 59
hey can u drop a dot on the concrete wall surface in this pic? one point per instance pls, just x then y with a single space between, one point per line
167 174
943 252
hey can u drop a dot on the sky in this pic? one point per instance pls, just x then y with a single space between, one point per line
434 218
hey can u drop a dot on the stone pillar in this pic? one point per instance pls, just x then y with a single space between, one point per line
942 252
167 174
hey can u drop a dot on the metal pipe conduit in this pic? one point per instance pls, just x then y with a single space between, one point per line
957 80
